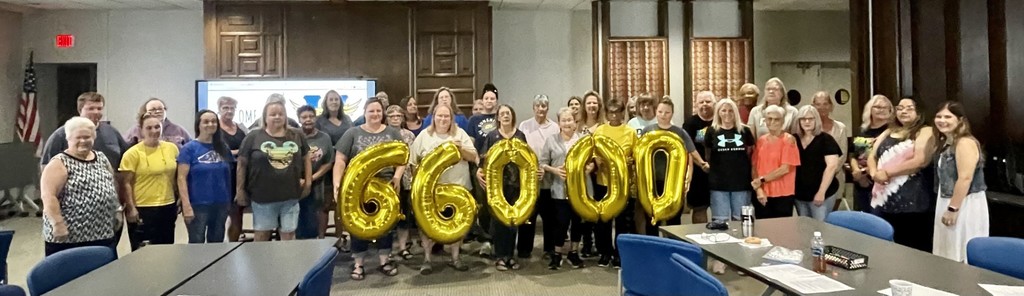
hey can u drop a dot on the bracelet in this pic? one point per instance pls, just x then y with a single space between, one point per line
951 209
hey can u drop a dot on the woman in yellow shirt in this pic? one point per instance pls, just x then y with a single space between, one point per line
625 136
149 168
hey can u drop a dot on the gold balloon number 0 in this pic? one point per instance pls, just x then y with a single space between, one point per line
444 212
664 206
516 152
614 158
368 205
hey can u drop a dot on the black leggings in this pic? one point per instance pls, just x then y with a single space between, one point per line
912 229
156 226
527 232
776 207
603 230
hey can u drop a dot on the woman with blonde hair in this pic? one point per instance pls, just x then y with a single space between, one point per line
816 185
774 95
592 114
439 132
837 129
876 117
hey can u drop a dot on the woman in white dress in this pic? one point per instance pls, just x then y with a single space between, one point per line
961 212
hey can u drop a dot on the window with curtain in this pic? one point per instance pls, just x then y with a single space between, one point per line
637 65
719 65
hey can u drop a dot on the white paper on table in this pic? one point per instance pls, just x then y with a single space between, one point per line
1001 290
801 279
920 290
697 237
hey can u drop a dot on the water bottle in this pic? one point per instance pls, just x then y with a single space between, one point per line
747 215
818 252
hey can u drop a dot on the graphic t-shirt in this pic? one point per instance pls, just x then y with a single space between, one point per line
638 123
480 126
209 173
727 154
275 165
863 142
358 139
154 169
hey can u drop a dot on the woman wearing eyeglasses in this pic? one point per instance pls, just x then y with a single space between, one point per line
877 115
775 160
171 132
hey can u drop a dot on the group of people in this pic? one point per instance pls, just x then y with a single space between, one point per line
745 151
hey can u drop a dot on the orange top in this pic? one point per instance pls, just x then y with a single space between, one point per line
769 154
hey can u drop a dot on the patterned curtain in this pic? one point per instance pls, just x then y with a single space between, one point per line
637 65
719 65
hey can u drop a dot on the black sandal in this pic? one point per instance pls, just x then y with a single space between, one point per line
358 273
501 265
388 269
513 265
405 254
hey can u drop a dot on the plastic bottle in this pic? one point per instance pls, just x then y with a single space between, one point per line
818 252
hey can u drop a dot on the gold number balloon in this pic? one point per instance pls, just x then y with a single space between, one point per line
614 157
665 206
432 202
516 152
369 205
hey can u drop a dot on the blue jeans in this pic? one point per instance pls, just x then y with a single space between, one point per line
282 215
727 205
308 226
208 223
807 208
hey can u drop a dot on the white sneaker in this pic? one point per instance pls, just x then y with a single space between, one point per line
717 267
486 249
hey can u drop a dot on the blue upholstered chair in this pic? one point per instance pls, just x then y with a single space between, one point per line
317 281
646 268
695 279
1000 254
861 222
64 266
11 290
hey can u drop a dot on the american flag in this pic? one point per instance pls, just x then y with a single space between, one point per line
28 111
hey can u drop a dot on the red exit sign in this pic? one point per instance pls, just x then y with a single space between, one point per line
65 41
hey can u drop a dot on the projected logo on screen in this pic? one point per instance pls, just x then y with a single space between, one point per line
252 95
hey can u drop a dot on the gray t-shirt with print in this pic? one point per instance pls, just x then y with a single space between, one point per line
357 139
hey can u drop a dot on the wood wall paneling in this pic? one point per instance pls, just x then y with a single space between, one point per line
973 56
1014 70
452 49
885 38
250 41
929 44
860 62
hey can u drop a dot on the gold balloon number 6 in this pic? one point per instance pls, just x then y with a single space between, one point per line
516 152
664 206
614 158
444 212
368 205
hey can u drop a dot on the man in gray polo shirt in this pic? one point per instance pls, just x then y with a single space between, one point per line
108 141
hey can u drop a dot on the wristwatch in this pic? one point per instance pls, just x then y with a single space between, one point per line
762 180
951 209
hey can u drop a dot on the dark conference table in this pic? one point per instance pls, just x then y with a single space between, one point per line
152 270
258 268
886 260
251 268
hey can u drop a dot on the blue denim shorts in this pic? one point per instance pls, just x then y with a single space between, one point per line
282 215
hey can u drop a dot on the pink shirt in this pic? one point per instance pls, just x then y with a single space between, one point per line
769 154
538 133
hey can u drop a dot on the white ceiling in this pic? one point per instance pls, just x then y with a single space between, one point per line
498 4
107 4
